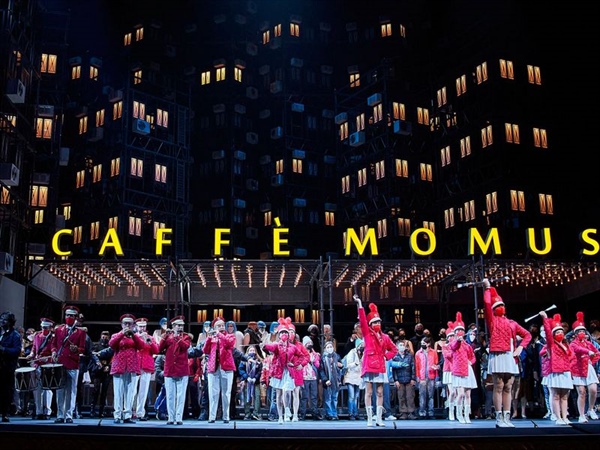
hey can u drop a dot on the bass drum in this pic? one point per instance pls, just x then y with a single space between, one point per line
53 376
26 379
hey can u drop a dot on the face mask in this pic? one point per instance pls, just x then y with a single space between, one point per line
284 337
581 335
499 311
401 348
460 333
309 347
559 337
423 346
70 321
377 327
402 335
104 341
329 350
442 335
45 331
252 355
164 327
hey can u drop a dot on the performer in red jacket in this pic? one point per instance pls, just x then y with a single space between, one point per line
378 348
463 377
146 356
502 363
584 375
41 353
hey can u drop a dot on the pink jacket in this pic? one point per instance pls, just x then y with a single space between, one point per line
45 352
447 352
428 360
146 354
176 358
561 355
545 361
284 354
378 347
581 362
462 357
225 349
298 374
62 344
126 359
502 329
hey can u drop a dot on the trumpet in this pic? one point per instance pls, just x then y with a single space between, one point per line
128 333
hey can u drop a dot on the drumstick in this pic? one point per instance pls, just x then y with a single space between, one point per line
535 315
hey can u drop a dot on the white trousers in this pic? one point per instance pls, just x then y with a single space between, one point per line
219 382
142 386
176 388
124 392
43 397
65 398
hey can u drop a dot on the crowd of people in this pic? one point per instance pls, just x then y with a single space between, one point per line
276 374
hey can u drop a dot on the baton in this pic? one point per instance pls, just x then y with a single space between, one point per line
535 315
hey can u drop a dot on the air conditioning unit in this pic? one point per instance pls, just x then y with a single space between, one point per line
298 107
44 111
239 251
240 155
277 180
330 206
239 203
299 203
97 134
36 249
170 51
141 126
374 99
328 113
218 154
240 19
9 174
252 233
300 252
97 62
63 156
6 263
217 203
264 114
251 7
251 49
15 91
252 138
403 127
264 207
275 43
252 184
41 178
219 18
356 139
298 154
276 87
327 70
114 95
252 92
219 108
329 159
75 61
341 118
296 62
276 132
265 159
240 109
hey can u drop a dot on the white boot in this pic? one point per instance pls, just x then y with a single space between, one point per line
369 410
507 421
288 414
459 413
379 421
467 413
500 420
451 411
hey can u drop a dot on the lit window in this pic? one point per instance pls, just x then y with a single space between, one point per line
39 196
345 184
83 125
362 177
441 97
279 166
540 138
97 173
343 131
160 173
137 76
465 146
354 80
94 72
363 230
48 64
139 110
162 118
80 178
449 218
113 222
5 196
135 226
382 228
469 210
380 169
127 39
461 85
329 218
100 118
117 110
205 77
402 168
507 69
115 167
294 29
491 203
158 226
266 37
486 136
94 230
67 212
403 226
43 128
386 29
512 133
517 200
534 75
76 72
399 111
377 113
296 165
445 156
139 34
402 31
277 30
423 116
426 173
267 218
8 122
360 122
546 205
237 74
481 73
77 233
220 73
137 167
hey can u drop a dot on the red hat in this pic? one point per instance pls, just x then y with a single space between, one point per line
215 320
141 322
458 324
579 324
557 323
71 310
291 326
496 299
284 324
178 320
127 318
450 329
45 322
373 315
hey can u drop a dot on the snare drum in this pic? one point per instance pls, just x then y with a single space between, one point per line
53 376
26 379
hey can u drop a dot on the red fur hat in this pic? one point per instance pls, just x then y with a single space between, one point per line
496 299
450 329
458 324
178 320
284 324
579 324
557 323
215 320
374 314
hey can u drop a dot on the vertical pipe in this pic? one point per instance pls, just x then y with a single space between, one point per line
321 302
330 285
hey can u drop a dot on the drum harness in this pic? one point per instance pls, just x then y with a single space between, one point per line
65 340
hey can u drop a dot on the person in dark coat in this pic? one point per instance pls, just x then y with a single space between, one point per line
10 349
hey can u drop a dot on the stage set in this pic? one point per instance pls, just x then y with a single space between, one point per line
25 433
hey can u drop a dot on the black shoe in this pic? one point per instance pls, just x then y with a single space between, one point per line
247 417
170 423
179 423
211 421
59 421
226 421
69 420
130 420
93 414
143 419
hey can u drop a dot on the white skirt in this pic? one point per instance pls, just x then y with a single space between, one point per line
561 380
590 379
286 382
447 378
544 381
502 362
373 377
468 382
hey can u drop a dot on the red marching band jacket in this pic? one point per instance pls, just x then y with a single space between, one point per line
582 359
378 348
61 344
126 359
